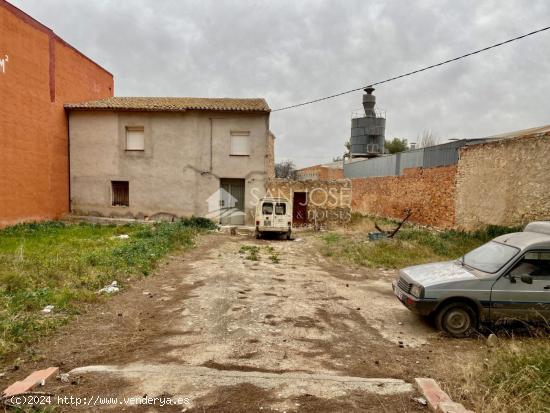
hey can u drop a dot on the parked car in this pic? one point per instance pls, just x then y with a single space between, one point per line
273 215
506 278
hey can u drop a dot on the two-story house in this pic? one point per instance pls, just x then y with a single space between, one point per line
141 157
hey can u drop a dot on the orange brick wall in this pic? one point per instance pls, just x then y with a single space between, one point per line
429 193
41 74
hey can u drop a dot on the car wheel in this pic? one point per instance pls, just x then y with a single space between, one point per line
457 319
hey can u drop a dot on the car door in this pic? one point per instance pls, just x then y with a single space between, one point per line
512 298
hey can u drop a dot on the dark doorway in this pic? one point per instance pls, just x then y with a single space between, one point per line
299 208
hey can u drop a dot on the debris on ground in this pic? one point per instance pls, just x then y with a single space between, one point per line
122 236
492 340
420 400
111 288
375 236
381 234
64 377
47 310
34 379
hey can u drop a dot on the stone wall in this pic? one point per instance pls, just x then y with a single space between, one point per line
428 193
327 201
504 182
319 172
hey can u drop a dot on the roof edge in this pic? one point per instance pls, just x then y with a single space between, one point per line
85 109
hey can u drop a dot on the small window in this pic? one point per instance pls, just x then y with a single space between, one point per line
135 139
121 193
280 209
267 208
536 264
240 143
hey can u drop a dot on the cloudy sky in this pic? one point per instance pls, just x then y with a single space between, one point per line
293 51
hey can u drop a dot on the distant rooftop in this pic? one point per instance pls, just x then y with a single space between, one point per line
172 104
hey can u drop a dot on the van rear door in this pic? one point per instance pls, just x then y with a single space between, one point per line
267 214
281 215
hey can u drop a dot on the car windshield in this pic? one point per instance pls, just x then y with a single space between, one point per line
490 257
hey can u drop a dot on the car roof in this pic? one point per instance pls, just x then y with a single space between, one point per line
525 239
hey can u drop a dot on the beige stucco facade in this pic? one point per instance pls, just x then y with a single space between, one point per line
185 156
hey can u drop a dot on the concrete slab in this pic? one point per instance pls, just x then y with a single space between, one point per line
194 381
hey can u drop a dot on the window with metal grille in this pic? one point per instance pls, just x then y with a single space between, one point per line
121 193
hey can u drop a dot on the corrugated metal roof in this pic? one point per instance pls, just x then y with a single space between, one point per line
171 104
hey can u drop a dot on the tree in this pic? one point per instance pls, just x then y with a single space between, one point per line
285 169
337 158
396 145
428 138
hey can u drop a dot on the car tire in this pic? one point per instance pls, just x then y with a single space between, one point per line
457 319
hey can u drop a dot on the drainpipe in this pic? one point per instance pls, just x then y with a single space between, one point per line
211 141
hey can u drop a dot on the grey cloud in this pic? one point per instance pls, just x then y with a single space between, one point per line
291 51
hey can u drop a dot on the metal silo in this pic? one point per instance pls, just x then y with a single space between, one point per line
368 130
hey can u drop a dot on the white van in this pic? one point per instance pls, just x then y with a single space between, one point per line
273 215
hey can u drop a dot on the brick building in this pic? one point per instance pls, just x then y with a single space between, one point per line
39 72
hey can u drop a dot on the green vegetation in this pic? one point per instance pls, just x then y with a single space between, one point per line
273 255
63 265
396 145
515 377
251 252
411 246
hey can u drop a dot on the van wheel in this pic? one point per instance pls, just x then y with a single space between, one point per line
288 235
457 319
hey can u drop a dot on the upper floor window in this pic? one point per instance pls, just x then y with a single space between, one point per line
135 138
240 143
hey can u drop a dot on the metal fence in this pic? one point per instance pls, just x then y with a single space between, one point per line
393 165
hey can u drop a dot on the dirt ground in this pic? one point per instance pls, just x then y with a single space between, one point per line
227 334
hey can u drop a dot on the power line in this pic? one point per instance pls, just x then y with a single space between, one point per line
414 71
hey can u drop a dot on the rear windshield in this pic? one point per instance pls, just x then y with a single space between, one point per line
267 208
280 209
490 257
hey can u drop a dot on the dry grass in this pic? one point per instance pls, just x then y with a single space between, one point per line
512 377
412 245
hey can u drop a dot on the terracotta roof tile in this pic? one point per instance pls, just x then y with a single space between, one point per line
168 104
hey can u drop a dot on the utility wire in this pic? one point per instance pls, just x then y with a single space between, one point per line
414 71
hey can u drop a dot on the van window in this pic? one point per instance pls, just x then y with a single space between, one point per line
267 208
280 209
